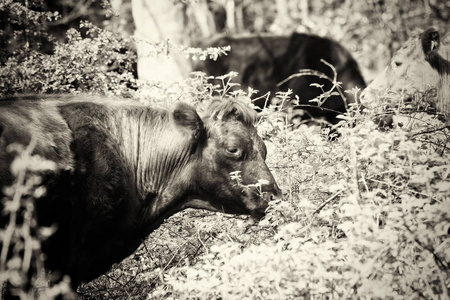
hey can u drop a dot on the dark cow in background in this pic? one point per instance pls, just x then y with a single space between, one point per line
263 61
123 167
421 65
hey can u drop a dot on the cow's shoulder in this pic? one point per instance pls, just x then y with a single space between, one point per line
94 143
84 112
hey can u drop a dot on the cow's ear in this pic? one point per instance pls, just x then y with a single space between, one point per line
430 41
187 118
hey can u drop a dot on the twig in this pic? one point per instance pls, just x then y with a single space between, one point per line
78 11
430 131
306 72
173 257
310 72
199 238
326 202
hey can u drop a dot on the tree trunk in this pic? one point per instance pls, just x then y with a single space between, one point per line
162 22
283 13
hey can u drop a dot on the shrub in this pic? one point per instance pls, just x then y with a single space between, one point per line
98 63
21 260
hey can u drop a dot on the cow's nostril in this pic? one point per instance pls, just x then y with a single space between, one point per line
272 195
267 197
408 100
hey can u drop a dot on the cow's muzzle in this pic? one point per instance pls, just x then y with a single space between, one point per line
258 213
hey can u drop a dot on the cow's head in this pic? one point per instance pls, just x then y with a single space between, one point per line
230 173
412 70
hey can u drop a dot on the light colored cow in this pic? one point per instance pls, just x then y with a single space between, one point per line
419 70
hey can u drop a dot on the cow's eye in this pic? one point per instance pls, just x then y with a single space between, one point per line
233 151
398 63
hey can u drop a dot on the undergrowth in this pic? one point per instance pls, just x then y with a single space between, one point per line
365 216
21 260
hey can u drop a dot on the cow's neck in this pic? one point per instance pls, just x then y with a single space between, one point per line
439 63
158 155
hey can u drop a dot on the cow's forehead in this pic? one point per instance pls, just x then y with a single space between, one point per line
411 50
236 131
234 127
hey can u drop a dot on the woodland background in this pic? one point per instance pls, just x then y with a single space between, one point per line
365 216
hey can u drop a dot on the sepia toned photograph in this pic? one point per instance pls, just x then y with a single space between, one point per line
224 149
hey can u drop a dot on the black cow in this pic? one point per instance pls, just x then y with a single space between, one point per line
123 167
263 61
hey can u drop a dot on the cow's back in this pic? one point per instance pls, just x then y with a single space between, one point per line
307 52
264 61
22 121
253 56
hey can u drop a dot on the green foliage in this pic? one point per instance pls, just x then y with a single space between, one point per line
208 53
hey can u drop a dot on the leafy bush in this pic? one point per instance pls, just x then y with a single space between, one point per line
21 260
97 63
22 27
